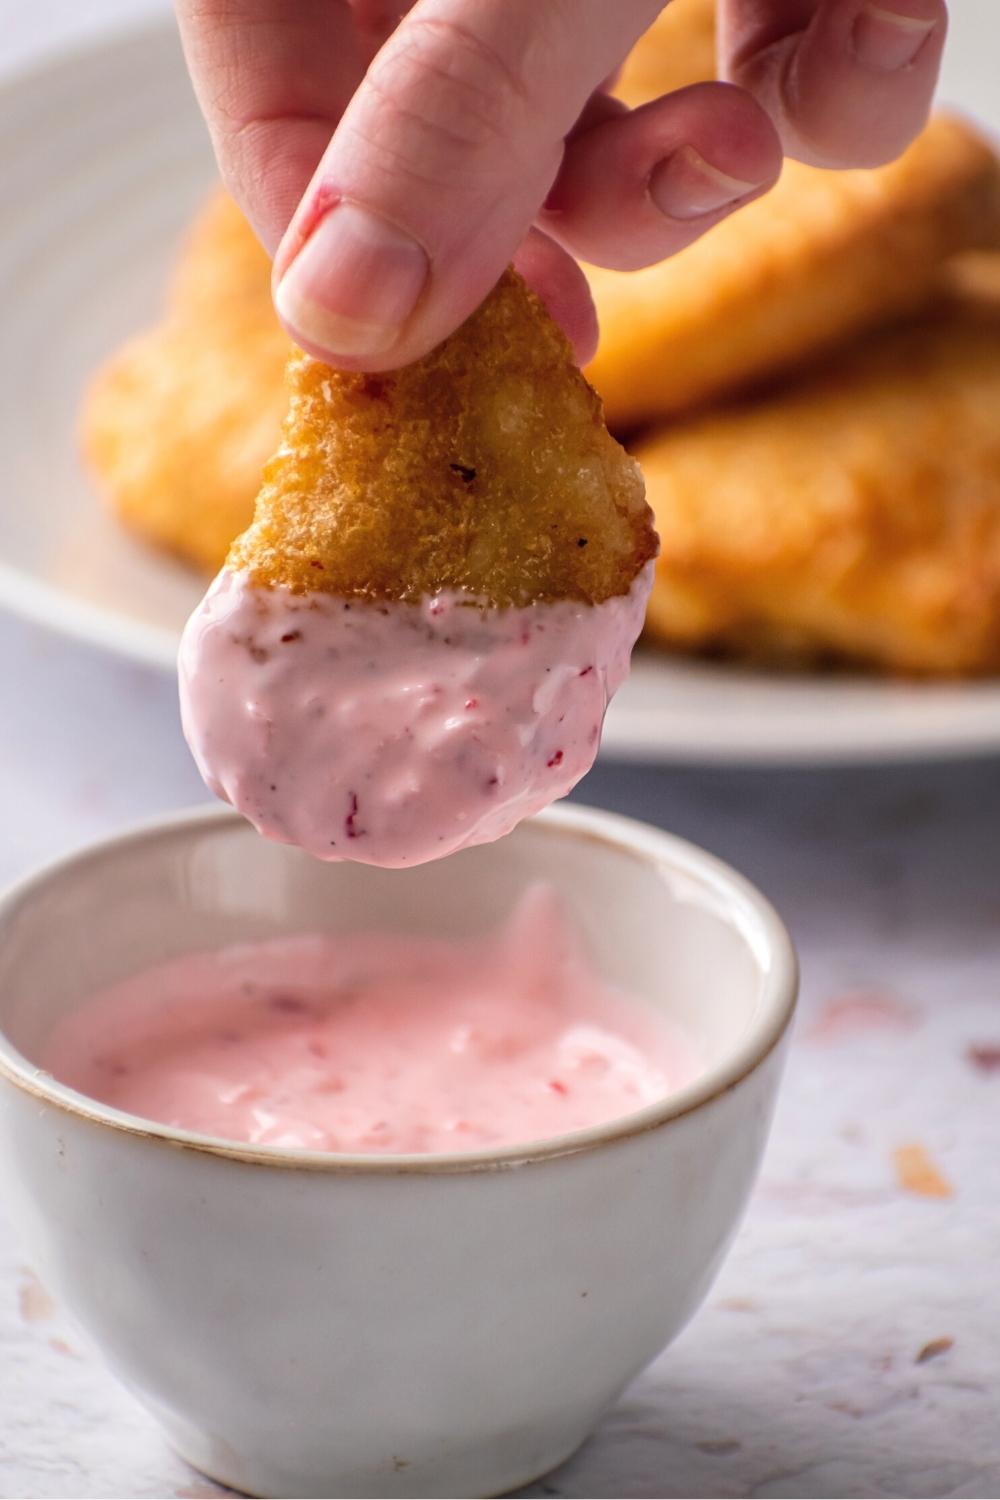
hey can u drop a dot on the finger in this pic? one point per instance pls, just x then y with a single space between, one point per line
847 82
438 168
644 184
562 286
272 79
375 20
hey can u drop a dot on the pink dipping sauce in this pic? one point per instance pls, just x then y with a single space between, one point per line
397 733
377 1042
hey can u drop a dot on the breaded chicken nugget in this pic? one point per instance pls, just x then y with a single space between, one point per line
854 515
678 49
414 644
972 279
178 425
822 256
486 467
222 263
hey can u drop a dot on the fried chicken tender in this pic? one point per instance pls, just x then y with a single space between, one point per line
222 265
178 425
485 467
413 646
855 515
821 257
678 49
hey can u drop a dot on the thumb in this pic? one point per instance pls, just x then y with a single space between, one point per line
437 169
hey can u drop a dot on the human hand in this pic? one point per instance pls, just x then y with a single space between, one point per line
394 157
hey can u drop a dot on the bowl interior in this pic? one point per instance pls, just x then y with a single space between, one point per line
661 919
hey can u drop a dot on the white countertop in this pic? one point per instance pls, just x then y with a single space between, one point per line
851 1346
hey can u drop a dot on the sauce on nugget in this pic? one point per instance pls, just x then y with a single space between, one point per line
396 733
414 644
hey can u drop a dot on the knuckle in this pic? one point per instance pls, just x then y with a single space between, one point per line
452 85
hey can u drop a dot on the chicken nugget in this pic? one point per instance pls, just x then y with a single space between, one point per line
222 263
178 425
678 49
484 467
819 258
414 644
854 516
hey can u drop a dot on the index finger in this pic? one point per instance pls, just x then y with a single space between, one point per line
848 83
272 78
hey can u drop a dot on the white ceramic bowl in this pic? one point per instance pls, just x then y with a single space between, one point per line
307 1324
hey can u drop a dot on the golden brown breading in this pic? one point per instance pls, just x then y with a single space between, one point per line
485 466
178 425
222 262
822 256
855 514
971 277
678 49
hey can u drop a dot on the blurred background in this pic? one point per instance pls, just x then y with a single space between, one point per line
819 703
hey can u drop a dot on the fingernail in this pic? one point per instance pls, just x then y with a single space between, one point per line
686 186
886 40
353 284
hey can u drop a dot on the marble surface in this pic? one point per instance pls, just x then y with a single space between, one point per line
851 1346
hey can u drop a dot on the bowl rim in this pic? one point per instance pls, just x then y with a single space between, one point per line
746 908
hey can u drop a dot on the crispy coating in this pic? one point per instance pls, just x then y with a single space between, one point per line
822 256
178 425
853 515
678 49
485 466
972 279
222 263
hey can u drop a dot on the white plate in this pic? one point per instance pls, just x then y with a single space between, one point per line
104 159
